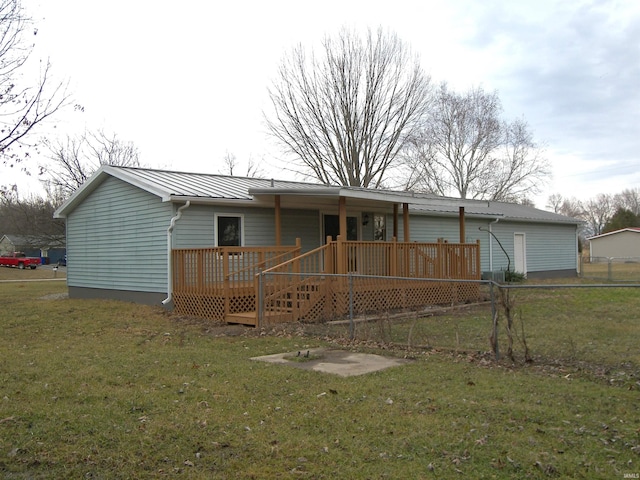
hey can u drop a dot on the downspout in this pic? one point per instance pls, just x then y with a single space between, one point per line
499 244
177 216
491 243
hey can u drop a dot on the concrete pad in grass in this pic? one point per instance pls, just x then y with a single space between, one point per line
338 362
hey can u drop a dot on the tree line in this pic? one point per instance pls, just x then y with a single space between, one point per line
602 213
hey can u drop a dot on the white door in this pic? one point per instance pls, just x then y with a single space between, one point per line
520 253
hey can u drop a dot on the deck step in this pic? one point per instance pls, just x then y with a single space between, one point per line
243 318
251 318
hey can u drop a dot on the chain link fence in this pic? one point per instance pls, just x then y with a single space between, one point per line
610 269
595 327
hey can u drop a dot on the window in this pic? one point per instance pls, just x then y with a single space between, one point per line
229 231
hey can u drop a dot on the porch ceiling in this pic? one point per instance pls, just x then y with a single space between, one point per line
322 202
364 200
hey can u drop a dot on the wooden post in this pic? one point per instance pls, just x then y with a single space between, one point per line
328 256
393 267
405 222
342 211
477 264
295 266
225 280
340 267
462 232
278 220
395 220
440 269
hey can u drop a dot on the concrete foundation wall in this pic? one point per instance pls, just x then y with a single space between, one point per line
145 298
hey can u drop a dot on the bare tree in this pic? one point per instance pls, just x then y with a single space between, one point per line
32 216
628 199
22 107
75 159
597 212
231 165
345 112
464 149
571 207
554 202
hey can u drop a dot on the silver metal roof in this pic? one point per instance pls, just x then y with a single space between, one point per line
175 186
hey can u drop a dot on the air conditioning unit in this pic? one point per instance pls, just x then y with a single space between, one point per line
497 276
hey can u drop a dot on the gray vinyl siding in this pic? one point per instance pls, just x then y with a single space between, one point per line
549 247
432 228
303 224
196 227
116 239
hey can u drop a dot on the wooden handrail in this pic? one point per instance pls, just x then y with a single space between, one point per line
291 250
310 253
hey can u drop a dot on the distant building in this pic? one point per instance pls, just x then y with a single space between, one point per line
623 243
50 249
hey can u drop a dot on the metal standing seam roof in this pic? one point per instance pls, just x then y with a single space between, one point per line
507 211
628 229
173 185
199 185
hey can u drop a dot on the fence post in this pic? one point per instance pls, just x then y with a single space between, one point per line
610 269
580 265
494 319
260 299
352 327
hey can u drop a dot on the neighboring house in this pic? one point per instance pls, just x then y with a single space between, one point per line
123 224
50 249
624 243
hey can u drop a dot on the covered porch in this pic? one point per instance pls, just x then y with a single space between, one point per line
269 284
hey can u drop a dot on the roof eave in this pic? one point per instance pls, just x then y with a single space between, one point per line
100 176
209 200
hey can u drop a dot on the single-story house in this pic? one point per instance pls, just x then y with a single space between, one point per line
50 249
623 243
125 225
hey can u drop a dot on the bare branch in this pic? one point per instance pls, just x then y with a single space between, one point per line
597 211
345 113
22 109
75 159
464 149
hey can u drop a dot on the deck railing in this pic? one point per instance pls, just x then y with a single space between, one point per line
314 284
280 293
214 282
218 282
407 259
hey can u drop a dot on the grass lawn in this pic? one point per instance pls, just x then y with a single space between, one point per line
43 272
104 389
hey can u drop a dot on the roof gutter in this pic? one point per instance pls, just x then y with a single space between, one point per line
491 243
175 218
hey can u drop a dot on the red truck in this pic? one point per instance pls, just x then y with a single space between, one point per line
20 260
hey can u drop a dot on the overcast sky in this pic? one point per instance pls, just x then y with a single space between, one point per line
187 81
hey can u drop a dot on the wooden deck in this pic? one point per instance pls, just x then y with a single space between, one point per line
254 285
